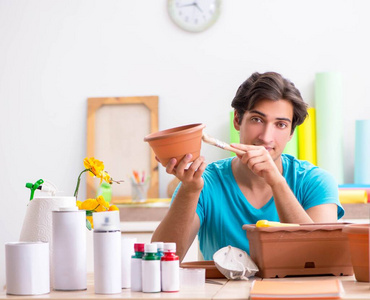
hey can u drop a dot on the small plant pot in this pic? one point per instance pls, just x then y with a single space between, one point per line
176 142
358 237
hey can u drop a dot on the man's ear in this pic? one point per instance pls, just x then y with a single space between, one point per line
236 121
290 137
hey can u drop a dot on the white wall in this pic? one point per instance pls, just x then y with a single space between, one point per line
56 54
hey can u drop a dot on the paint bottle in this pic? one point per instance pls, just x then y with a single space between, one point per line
159 248
107 254
69 249
170 266
151 270
136 259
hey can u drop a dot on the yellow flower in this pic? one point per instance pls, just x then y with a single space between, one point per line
95 166
78 204
113 207
103 175
103 205
95 205
89 204
106 178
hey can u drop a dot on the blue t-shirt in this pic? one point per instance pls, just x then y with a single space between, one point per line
223 209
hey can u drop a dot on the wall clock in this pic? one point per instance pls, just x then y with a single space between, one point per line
194 15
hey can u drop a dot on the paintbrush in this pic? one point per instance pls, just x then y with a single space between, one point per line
215 142
265 223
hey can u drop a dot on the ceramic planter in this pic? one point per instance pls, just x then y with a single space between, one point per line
308 249
358 237
176 142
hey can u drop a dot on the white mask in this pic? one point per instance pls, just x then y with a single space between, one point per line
234 263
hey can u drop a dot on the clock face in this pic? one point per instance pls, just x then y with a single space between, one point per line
194 15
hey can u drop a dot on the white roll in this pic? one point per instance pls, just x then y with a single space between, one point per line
27 268
107 262
69 250
37 224
127 252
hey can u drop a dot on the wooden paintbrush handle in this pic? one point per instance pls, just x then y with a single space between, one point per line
215 142
226 146
232 149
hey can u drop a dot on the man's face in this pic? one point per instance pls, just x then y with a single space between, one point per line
268 124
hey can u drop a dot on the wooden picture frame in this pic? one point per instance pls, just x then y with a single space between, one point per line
116 127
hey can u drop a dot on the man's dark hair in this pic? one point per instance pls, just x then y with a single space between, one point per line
269 86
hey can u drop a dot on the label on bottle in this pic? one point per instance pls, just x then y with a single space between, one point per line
151 276
170 275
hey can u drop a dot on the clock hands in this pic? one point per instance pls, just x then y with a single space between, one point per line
195 4
190 4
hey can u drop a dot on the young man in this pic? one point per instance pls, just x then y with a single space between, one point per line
262 184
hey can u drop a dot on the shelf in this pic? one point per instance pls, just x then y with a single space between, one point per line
150 210
156 210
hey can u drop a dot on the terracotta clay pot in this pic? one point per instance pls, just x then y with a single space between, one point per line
308 249
358 236
176 142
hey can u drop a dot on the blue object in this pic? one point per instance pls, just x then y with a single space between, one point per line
362 152
354 186
223 209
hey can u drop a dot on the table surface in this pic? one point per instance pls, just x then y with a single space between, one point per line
227 290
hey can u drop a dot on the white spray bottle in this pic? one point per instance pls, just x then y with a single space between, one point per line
107 253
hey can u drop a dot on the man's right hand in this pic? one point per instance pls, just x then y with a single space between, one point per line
181 223
191 177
